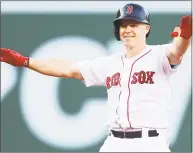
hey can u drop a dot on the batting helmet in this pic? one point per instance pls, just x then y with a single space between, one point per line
131 12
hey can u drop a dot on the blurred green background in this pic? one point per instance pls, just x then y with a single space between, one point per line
27 33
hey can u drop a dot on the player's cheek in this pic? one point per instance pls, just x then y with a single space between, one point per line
121 31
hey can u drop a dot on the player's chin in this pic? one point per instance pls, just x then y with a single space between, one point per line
128 39
128 42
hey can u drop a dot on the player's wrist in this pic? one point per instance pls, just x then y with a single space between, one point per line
26 61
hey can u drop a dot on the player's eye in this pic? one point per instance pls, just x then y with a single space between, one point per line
133 25
123 25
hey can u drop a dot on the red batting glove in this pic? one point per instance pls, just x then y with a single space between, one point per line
14 58
185 27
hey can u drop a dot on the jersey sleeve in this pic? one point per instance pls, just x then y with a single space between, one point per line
167 67
93 71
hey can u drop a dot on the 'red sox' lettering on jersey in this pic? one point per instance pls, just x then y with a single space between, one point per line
143 77
114 80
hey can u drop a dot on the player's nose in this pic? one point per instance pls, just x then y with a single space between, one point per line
128 28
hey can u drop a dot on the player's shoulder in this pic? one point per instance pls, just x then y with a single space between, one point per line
114 55
108 58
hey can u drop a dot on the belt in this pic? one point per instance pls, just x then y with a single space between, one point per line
133 134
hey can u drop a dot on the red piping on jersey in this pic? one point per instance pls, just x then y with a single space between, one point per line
129 86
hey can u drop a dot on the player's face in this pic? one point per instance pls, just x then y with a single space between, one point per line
133 33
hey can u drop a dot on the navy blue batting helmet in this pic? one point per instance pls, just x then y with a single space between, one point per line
131 11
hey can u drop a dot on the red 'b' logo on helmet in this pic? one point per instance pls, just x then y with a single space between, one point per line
129 9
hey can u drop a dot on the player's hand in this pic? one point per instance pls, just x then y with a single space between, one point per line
185 28
14 58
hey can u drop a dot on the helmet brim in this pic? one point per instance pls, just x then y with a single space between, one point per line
116 21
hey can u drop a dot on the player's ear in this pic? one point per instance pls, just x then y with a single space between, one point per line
147 28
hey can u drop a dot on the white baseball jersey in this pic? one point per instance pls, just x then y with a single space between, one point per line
138 87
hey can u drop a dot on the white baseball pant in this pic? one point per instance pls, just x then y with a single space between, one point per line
143 144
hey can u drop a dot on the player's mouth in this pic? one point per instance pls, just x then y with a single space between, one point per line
128 37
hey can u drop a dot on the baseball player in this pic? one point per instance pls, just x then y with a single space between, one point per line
137 80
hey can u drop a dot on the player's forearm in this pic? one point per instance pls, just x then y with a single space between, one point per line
180 46
57 68
177 49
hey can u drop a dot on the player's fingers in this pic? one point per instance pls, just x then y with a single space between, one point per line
2 59
1 54
177 29
4 50
185 22
176 32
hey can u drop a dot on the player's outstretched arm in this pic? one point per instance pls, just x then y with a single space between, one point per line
182 38
57 68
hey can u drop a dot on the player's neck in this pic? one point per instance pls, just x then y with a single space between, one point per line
134 50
